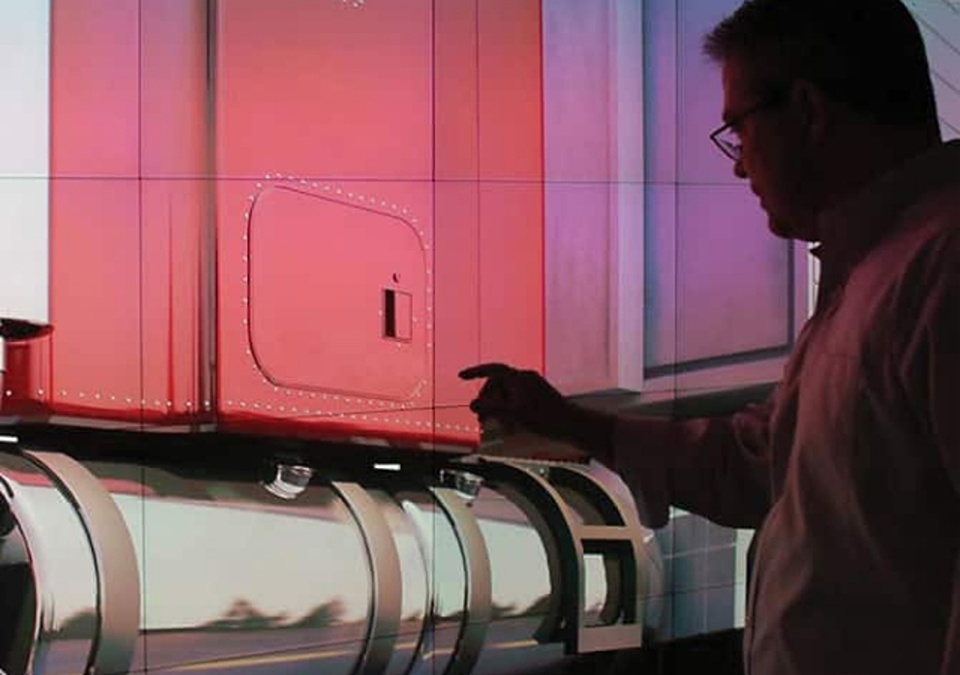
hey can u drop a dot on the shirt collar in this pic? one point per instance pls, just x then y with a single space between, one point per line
851 228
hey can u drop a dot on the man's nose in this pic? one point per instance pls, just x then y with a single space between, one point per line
738 170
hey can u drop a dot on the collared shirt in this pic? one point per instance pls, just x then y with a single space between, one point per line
852 468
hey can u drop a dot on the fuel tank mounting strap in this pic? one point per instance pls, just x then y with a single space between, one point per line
385 571
476 562
118 575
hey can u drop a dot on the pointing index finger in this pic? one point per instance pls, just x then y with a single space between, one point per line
486 370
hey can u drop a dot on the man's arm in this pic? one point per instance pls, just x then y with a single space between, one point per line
718 468
715 467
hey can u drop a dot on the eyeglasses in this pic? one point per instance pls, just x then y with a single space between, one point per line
727 137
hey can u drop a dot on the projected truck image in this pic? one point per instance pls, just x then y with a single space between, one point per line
255 243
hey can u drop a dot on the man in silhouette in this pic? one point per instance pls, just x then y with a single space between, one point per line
851 469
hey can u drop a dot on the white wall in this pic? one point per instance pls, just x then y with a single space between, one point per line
24 163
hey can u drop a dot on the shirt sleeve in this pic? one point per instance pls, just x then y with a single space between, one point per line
951 657
931 378
718 468
934 373
944 410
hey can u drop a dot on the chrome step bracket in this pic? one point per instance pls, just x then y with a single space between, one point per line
537 489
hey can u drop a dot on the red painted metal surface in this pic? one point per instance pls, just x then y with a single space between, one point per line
237 196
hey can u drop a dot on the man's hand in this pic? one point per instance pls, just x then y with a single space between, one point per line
519 398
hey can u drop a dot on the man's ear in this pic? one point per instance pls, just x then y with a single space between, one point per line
810 105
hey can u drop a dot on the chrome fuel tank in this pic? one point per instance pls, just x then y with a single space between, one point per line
115 566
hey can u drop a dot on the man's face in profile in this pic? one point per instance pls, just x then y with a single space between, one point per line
772 158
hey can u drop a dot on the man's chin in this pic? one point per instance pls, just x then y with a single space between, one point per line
786 229
779 227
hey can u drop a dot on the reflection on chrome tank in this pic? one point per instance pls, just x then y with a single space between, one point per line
118 566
